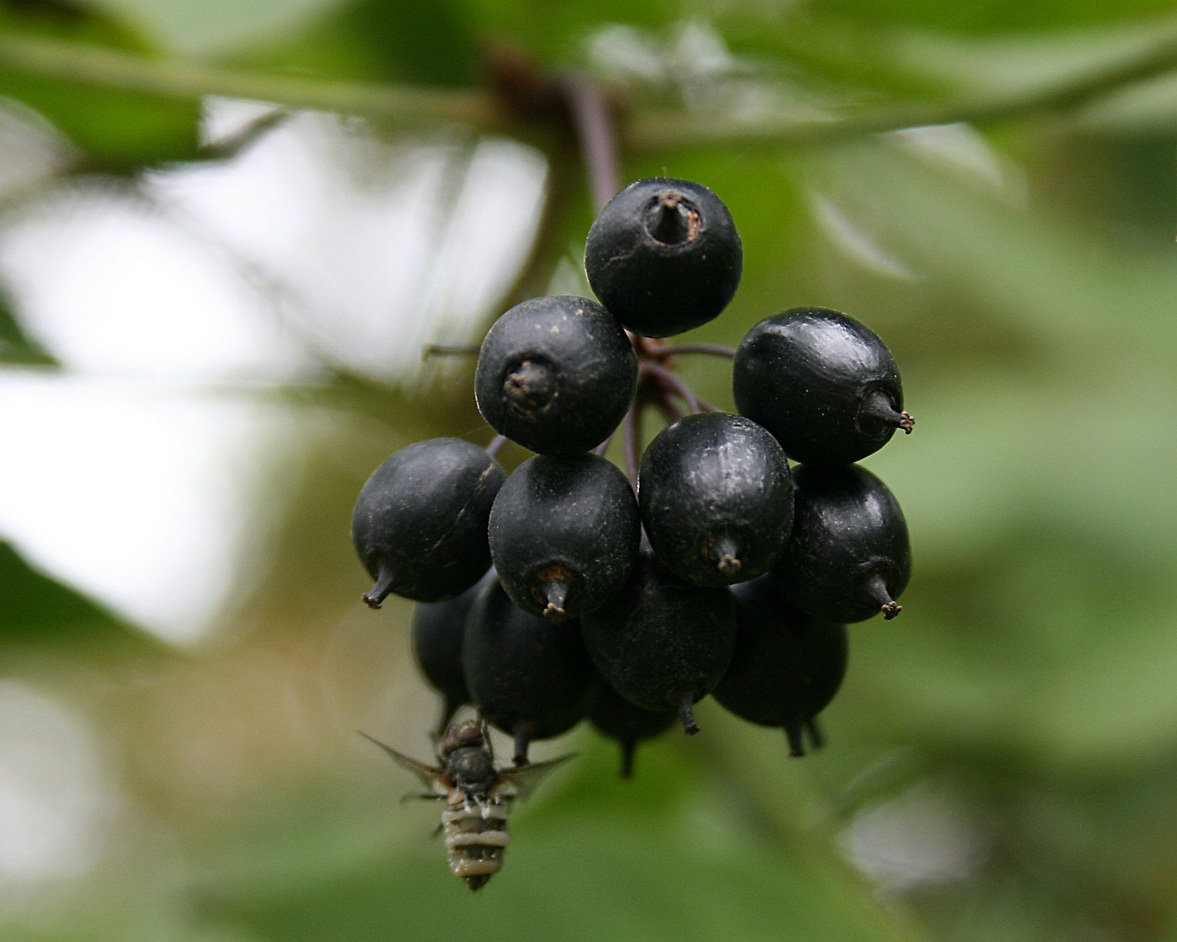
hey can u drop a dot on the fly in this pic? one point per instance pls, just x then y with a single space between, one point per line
477 795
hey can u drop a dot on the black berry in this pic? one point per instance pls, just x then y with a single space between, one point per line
437 632
529 678
786 668
564 534
617 718
664 256
716 498
662 643
556 375
849 555
419 524
822 383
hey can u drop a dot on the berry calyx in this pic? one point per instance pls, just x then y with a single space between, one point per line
556 375
824 384
664 256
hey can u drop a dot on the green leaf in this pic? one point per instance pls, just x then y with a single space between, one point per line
117 130
38 612
430 42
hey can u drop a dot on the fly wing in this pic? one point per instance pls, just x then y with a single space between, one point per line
524 778
430 775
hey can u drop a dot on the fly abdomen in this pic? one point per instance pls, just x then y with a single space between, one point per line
475 839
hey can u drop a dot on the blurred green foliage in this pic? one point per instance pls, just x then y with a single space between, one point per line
1018 723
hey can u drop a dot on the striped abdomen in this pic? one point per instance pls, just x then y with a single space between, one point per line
475 837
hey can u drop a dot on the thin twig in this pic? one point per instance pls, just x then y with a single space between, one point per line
672 383
596 134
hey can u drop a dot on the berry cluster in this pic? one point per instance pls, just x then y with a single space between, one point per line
569 589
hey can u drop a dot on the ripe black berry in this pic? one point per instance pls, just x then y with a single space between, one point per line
614 716
437 632
786 668
419 524
564 534
716 498
556 375
824 384
849 556
664 256
662 643
529 678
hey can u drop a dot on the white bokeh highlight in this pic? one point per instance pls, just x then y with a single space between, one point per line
172 301
136 495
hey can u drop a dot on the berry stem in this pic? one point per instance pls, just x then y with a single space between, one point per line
667 382
596 135
628 748
686 710
496 445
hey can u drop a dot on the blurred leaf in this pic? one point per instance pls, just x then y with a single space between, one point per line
117 130
430 42
995 16
38 612
553 31
16 347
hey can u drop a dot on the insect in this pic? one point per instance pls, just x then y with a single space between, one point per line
477 794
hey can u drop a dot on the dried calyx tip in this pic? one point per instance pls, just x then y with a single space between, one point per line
529 386
670 219
729 565
881 407
876 588
725 553
553 593
686 710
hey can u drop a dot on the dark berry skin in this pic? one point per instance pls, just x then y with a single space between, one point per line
556 375
786 668
437 631
849 556
664 256
615 717
716 498
662 643
419 524
564 534
822 383
529 678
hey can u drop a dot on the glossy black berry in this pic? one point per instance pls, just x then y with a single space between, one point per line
662 643
528 677
849 555
716 498
822 383
564 534
786 668
556 375
664 256
419 524
437 631
617 718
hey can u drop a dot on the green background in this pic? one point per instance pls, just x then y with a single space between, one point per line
1002 760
